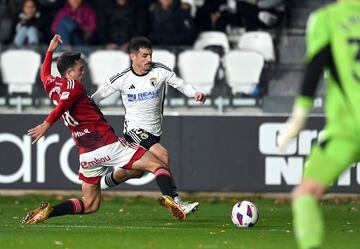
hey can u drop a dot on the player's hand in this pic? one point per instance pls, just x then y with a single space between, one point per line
200 97
54 43
38 131
295 124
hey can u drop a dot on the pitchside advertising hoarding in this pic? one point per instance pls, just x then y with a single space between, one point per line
207 153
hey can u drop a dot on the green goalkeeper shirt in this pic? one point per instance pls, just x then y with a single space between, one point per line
333 45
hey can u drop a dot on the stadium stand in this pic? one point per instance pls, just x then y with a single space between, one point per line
213 40
19 84
165 57
243 70
258 41
105 63
199 68
280 77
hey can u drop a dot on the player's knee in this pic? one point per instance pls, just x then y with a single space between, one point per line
165 156
306 188
91 207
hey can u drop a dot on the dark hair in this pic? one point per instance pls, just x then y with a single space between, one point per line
138 42
67 60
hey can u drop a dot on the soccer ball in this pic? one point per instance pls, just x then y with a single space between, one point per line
244 214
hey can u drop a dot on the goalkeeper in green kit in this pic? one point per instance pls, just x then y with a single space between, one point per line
333 45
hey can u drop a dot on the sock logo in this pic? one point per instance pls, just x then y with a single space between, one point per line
96 161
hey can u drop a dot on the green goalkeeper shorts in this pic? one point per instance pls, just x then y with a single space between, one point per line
326 162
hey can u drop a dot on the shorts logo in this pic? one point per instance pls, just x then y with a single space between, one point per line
96 161
65 95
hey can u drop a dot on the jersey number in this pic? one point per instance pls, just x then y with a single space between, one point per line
69 120
356 41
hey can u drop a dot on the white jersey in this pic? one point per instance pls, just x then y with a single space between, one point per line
143 96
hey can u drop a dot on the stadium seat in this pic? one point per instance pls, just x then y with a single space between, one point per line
102 65
243 70
192 4
258 41
212 40
19 68
54 70
165 57
198 68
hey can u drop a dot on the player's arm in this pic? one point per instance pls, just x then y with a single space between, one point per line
40 130
46 66
304 102
68 98
104 91
186 89
318 56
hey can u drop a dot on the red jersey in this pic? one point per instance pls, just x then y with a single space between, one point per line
81 115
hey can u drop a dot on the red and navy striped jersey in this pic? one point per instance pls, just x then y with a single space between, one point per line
87 125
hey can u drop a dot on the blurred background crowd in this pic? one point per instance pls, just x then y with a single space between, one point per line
111 23
239 32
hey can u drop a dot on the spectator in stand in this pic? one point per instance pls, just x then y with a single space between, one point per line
8 9
27 31
75 23
122 20
171 24
255 14
48 10
213 15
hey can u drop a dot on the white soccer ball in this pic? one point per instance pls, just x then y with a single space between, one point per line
244 214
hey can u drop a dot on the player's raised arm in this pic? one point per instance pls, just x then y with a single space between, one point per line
46 66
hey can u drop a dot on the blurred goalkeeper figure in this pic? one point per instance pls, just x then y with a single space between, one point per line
98 146
142 87
333 44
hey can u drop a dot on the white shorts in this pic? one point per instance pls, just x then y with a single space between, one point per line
95 164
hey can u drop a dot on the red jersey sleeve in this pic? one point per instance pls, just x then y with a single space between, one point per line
71 92
47 79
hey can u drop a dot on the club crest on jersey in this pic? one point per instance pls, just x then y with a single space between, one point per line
131 97
153 81
65 95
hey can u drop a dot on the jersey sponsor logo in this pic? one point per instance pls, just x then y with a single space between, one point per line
153 81
132 86
143 96
94 162
65 95
77 134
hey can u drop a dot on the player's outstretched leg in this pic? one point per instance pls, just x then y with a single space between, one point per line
89 203
45 211
308 221
118 176
163 179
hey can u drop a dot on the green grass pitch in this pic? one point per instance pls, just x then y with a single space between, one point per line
142 223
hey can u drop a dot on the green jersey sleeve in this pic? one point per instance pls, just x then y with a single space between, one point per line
317 34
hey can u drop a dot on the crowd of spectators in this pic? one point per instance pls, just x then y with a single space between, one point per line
112 23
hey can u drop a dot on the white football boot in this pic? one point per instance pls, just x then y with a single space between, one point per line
187 206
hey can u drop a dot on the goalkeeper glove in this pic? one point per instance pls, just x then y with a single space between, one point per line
295 124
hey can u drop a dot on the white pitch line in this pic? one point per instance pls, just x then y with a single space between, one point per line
145 228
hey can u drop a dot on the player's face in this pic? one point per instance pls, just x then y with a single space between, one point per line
143 59
29 8
76 72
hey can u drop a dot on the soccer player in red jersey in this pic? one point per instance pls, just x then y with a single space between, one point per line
98 145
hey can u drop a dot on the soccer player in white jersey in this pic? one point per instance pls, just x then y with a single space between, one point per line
142 87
